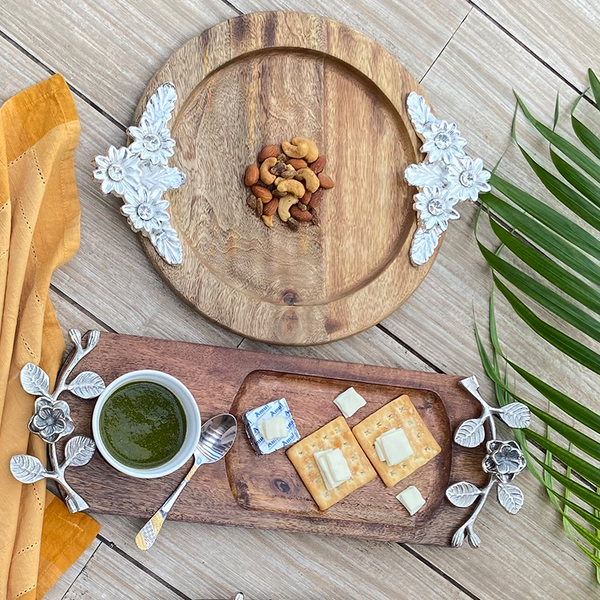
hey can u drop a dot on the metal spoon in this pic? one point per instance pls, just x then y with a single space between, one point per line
216 438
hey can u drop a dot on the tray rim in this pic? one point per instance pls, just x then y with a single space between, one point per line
368 295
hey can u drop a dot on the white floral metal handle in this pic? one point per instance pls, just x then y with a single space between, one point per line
141 176
447 176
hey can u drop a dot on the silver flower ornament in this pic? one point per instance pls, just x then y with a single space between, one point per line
145 209
443 142
446 167
119 171
467 179
51 420
435 208
504 459
148 175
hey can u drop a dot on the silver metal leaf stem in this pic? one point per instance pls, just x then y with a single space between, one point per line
52 420
504 461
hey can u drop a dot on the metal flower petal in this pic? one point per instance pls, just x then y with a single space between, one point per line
443 142
467 178
151 143
51 421
504 459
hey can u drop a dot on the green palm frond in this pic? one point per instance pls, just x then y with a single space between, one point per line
547 262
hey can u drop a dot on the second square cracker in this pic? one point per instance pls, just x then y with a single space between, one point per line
336 434
402 414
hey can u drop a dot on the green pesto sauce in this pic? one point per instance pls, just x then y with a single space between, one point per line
143 425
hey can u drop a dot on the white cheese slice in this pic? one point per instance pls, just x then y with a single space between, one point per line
273 428
411 499
338 466
333 467
380 454
395 446
349 402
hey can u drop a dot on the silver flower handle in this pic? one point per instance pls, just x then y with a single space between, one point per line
504 461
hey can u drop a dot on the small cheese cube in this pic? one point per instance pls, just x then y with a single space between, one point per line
333 467
411 499
349 402
394 445
273 428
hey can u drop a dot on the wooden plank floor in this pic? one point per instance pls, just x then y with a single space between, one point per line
469 55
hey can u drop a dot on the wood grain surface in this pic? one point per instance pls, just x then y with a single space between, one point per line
262 79
266 491
469 56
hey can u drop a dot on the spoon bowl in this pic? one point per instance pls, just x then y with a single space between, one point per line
216 437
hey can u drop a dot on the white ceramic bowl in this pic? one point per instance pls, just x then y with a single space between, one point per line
192 415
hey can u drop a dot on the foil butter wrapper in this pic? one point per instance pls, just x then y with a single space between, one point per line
277 408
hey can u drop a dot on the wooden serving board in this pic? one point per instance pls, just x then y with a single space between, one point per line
265 491
261 79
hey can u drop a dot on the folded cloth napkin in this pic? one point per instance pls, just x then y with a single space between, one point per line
39 231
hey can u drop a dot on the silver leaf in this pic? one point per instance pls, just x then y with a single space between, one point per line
79 450
167 244
463 494
470 434
160 106
27 469
92 340
165 178
34 380
427 174
510 497
420 113
424 244
516 415
87 385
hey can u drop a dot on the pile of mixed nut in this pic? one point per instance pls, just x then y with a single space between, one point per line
289 181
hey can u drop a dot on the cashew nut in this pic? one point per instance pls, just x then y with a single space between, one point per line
313 152
283 210
310 179
295 150
265 175
268 220
292 186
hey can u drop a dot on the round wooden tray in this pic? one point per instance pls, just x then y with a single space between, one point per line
261 79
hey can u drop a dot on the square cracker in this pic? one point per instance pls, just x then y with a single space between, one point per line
336 434
402 414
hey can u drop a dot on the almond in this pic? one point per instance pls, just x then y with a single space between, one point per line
326 181
318 165
251 176
300 215
306 198
316 198
261 192
270 208
297 163
267 152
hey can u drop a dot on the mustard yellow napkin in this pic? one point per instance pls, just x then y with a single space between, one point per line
39 231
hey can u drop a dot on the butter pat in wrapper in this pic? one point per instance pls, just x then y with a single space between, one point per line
252 419
411 499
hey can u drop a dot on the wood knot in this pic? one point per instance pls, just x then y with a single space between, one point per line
290 297
282 486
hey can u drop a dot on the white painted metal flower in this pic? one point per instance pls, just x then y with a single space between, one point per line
443 142
119 171
140 174
146 210
435 208
151 142
447 169
467 178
